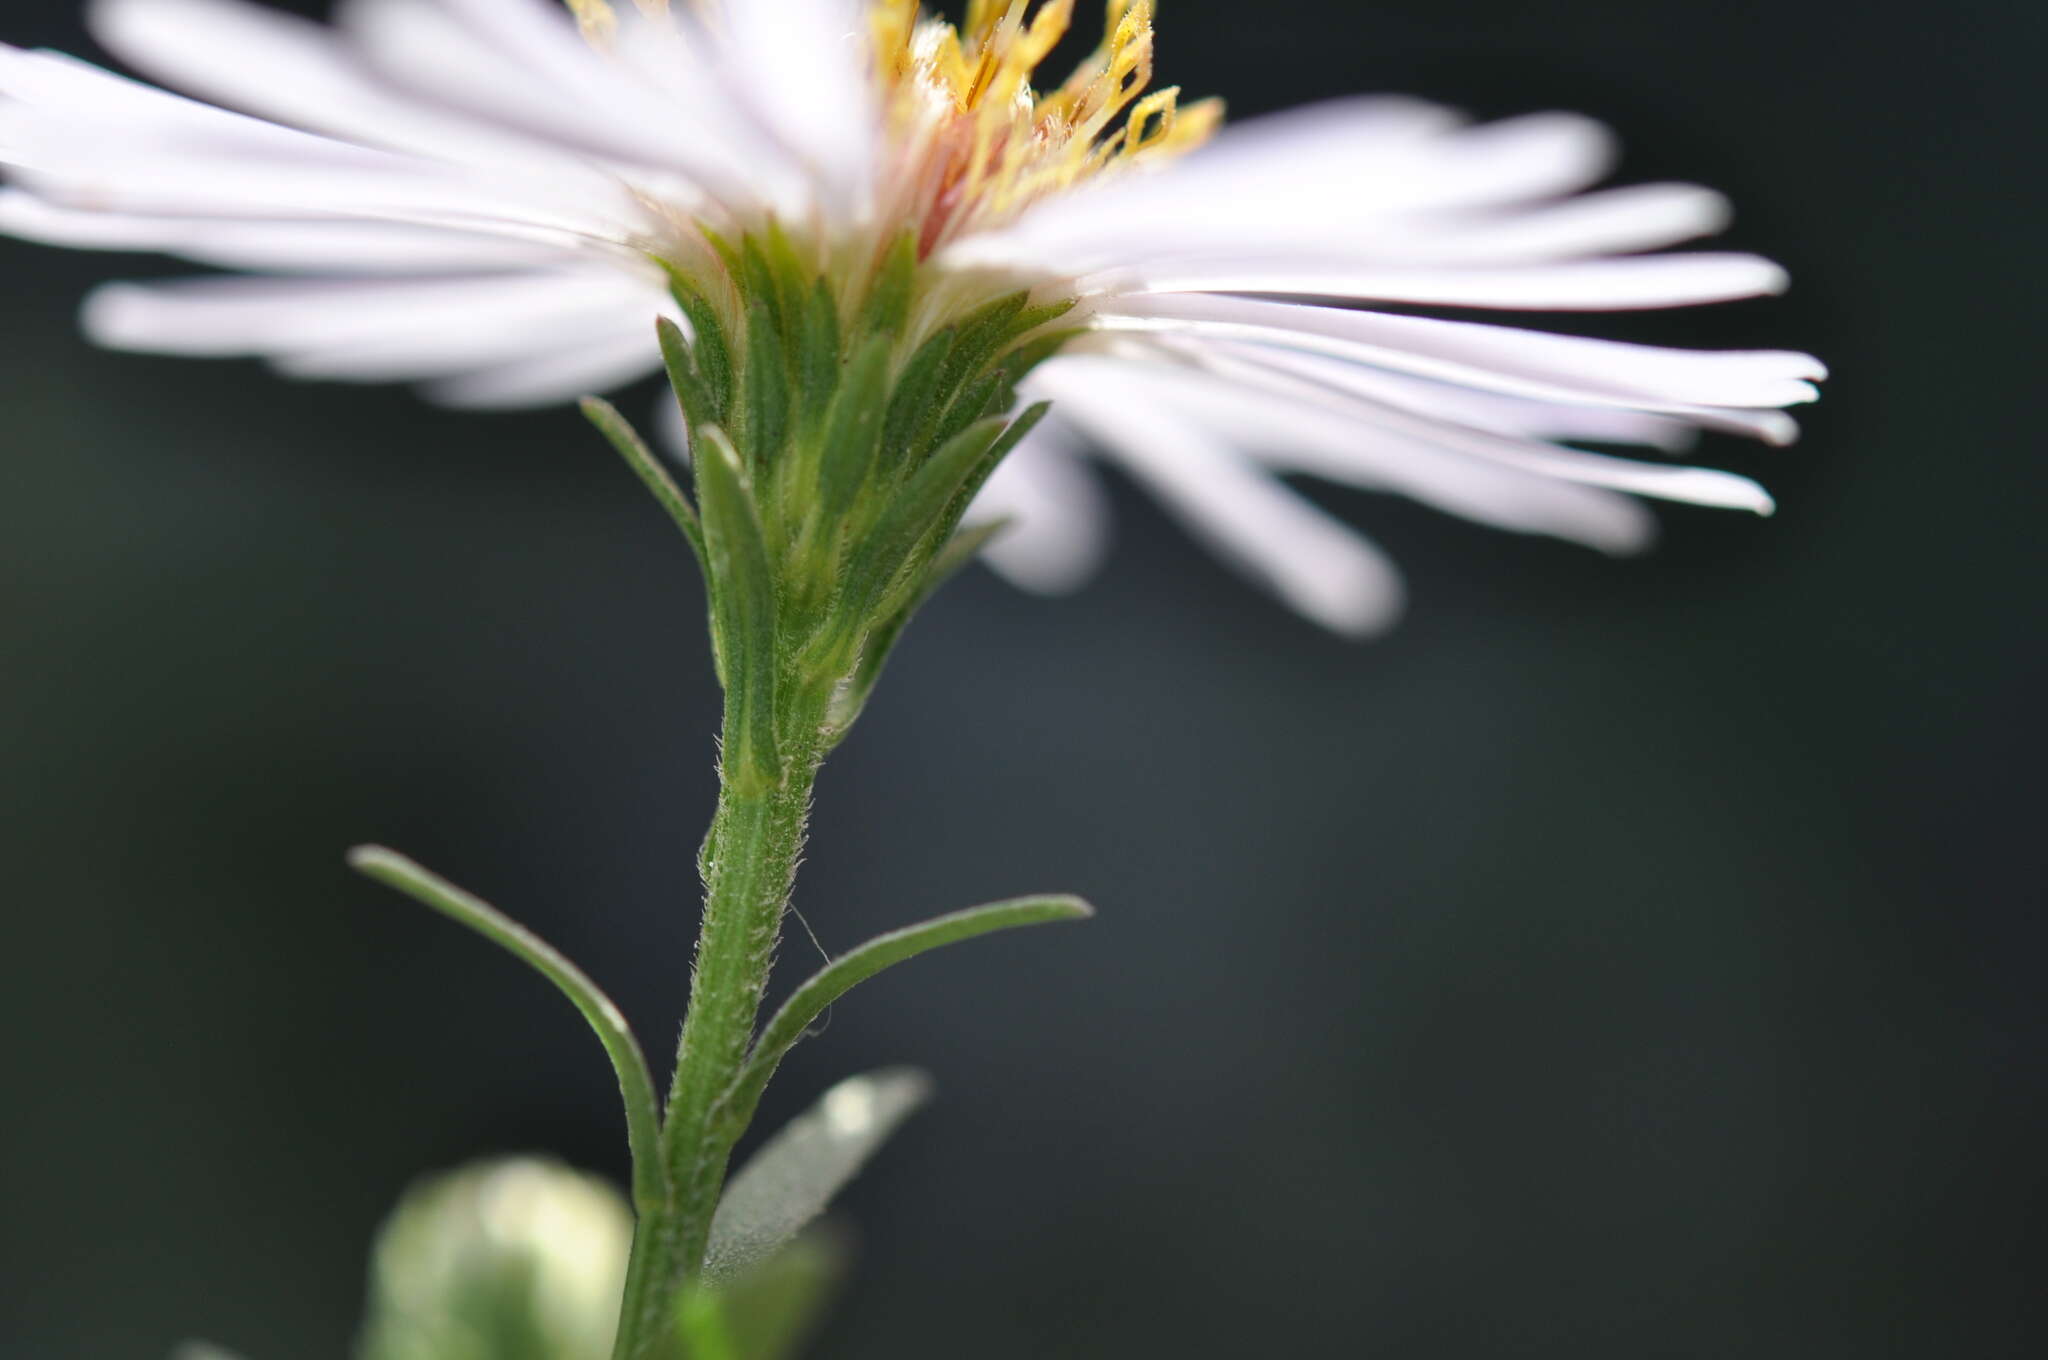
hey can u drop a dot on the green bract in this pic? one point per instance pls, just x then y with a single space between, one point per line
841 418
840 423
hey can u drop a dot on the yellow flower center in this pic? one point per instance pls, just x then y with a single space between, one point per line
984 143
975 142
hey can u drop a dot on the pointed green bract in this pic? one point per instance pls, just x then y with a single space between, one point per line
848 971
636 1085
888 304
744 599
688 383
648 467
708 344
764 411
818 354
917 390
853 430
840 427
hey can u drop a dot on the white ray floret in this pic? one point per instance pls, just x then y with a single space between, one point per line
478 196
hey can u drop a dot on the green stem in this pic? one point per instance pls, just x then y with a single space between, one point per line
749 863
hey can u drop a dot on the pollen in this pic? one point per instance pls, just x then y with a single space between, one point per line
972 141
980 142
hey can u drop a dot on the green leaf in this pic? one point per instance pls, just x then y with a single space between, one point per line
852 429
982 332
764 386
744 602
202 1350
917 388
888 306
958 552
818 356
649 469
708 344
797 1172
636 1086
791 278
1010 438
914 511
843 974
976 402
699 409
769 1312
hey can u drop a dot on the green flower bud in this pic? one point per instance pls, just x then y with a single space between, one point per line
520 1259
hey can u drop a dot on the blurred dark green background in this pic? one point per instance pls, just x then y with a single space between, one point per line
1623 959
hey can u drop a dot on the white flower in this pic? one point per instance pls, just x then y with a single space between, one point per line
472 195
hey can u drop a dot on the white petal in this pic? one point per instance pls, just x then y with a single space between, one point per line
521 64
1412 459
1058 528
802 65
1597 285
1670 428
1317 565
420 317
86 138
1316 179
1638 217
562 374
1445 438
302 246
1519 362
278 66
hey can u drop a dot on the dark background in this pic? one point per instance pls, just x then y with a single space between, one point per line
1622 959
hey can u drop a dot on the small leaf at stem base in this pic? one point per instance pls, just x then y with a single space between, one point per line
795 1174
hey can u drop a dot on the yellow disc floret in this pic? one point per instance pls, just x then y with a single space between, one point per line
972 141
981 143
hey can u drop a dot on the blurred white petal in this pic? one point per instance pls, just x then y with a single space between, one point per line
804 64
320 247
469 195
1520 362
1414 460
1592 285
1058 530
1318 566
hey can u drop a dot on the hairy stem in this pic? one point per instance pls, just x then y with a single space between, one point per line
749 863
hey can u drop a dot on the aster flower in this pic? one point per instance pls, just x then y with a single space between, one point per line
491 199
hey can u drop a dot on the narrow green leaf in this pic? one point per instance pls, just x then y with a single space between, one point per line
976 402
797 1172
818 355
699 408
1023 425
848 704
887 310
853 426
728 255
765 385
961 549
983 332
744 601
916 389
915 512
636 1086
709 345
849 970
759 284
648 467
792 281
1037 350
